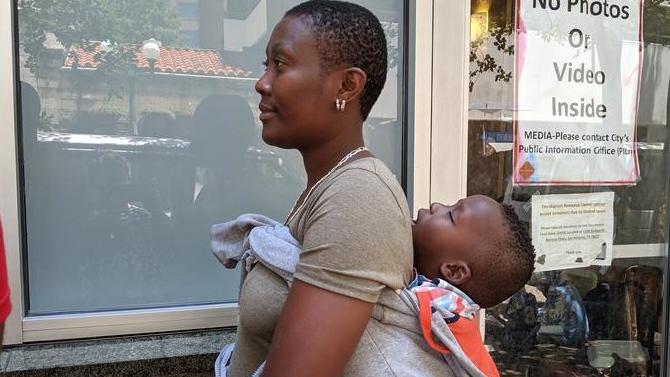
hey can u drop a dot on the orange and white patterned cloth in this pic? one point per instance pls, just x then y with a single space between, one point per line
460 314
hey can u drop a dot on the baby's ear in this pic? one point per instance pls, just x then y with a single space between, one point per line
456 272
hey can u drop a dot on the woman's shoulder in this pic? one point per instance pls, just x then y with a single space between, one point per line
369 179
368 173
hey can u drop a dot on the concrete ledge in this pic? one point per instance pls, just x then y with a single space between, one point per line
188 354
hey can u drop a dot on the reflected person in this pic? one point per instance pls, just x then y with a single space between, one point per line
227 180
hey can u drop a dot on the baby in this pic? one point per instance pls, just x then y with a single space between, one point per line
475 253
471 255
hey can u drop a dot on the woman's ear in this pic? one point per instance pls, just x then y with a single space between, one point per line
456 273
353 82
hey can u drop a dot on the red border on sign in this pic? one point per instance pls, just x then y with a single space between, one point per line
516 178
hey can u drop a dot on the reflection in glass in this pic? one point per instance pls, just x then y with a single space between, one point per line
600 321
131 153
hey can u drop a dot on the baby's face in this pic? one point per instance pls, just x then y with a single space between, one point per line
442 233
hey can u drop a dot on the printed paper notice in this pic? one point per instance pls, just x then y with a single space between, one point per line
578 65
572 230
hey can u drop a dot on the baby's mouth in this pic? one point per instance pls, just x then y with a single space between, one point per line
419 214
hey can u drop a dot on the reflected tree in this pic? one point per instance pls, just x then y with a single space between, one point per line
483 61
656 30
657 21
122 24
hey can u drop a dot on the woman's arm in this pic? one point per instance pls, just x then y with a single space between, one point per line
318 331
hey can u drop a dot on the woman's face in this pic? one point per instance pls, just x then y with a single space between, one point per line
297 99
457 231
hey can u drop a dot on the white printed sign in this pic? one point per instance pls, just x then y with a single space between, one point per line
572 230
578 65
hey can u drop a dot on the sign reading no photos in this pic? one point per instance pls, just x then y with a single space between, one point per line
578 65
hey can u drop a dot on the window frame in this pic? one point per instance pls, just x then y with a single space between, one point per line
459 128
20 328
9 194
435 169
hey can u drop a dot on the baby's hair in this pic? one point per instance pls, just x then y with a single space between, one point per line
522 247
348 35
513 259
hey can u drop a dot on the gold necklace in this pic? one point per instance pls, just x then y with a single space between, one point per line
344 159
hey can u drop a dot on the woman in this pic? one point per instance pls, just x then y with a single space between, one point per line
326 66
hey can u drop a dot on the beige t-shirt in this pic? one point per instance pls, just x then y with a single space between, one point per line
355 232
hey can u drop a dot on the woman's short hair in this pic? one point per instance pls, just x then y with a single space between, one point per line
223 129
348 34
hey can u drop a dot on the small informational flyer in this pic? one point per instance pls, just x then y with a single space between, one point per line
577 76
572 230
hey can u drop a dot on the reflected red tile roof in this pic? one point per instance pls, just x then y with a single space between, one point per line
172 60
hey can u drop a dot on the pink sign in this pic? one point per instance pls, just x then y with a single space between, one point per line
577 75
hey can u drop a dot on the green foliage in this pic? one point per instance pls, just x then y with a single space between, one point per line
485 62
74 23
656 30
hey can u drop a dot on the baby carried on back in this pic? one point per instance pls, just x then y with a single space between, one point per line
430 328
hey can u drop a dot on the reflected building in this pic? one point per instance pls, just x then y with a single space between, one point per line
201 23
140 166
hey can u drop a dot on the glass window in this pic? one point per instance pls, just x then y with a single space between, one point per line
588 316
188 11
133 146
240 9
190 38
